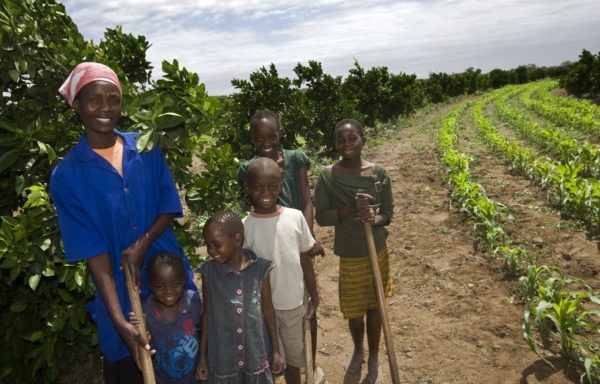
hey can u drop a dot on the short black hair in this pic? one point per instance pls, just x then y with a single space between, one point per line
263 114
261 164
352 122
226 221
163 259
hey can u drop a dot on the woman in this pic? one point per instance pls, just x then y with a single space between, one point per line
115 206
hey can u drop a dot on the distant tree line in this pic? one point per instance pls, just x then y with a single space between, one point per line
311 103
582 78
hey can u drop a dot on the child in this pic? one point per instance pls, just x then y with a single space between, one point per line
342 196
238 322
173 316
114 205
265 131
282 235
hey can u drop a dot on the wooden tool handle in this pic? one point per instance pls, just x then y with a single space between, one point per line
310 375
136 308
387 331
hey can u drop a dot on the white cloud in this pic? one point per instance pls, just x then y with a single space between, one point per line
225 39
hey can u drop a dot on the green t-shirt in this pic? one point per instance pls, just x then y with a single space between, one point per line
293 161
334 191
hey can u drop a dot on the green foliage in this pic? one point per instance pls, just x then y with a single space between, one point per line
43 316
127 53
583 77
379 95
264 90
41 296
323 104
175 114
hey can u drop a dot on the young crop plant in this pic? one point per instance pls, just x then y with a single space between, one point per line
540 282
558 314
556 142
473 200
583 117
563 316
579 197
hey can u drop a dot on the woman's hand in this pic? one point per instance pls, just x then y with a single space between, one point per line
133 257
134 339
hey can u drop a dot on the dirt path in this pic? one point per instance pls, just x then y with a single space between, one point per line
454 317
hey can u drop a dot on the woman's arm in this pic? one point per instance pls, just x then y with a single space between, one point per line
307 205
269 315
133 256
105 284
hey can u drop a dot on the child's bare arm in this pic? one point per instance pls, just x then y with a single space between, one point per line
269 315
311 283
307 205
202 368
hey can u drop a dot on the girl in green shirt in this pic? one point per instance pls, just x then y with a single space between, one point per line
347 194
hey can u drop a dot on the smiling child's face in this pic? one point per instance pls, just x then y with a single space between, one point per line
265 137
348 142
167 284
263 185
220 245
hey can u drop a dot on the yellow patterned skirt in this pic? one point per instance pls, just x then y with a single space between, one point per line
357 285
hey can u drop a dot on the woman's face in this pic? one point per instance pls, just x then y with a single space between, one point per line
98 105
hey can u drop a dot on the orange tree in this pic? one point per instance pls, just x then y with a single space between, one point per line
42 297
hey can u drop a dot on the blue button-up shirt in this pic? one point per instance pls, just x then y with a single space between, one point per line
101 212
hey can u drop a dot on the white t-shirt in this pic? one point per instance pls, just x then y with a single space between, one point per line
281 237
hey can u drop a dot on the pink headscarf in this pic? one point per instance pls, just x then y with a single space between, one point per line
85 73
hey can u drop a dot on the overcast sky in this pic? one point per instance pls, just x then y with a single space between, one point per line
222 39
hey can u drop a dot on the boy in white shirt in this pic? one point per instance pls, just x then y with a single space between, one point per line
281 234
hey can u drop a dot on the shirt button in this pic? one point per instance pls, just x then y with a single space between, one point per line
239 310
126 189
239 291
240 347
239 330
240 363
134 227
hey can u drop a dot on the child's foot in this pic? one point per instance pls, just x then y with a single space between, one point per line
358 358
319 376
373 372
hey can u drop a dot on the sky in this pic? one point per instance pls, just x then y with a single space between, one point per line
226 39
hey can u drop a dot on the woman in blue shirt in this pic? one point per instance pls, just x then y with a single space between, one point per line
115 206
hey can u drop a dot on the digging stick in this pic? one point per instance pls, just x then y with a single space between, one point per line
136 308
387 331
310 375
